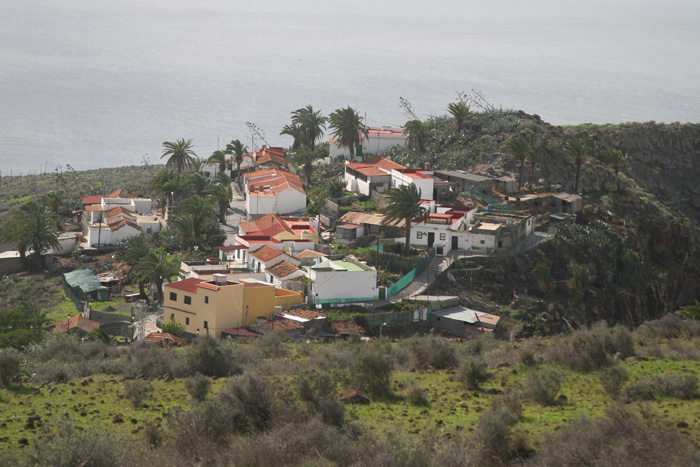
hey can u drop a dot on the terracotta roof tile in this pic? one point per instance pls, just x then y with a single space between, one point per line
347 326
188 285
77 321
94 199
303 313
163 337
120 193
283 269
266 253
283 324
310 254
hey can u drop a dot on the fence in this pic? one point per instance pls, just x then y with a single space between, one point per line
401 284
486 199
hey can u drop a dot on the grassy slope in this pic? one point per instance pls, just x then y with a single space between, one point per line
94 403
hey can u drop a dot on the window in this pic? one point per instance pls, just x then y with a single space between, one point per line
206 325
187 321
442 236
500 244
188 300
172 316
173 296
206 299
419 235
482 242
149 231
528 222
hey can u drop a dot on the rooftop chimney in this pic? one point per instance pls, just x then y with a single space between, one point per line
219 279
428 165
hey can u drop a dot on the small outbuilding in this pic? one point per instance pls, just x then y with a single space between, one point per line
464 322
83 286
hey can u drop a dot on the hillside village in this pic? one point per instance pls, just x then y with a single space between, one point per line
414 277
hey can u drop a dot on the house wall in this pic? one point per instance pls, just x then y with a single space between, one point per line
484 241
424 185
153 225
343 284
259 204
443 237
290 200
446 324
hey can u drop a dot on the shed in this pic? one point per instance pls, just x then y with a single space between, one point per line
505 185
77 325
464 322
82 285
349 231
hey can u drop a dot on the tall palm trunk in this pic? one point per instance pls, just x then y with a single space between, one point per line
578 173
408 237
522 167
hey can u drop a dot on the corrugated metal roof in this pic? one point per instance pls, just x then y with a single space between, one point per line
467 315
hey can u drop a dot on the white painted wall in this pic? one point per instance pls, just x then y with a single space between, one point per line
374 143
424 185
284 202
489 242
343 284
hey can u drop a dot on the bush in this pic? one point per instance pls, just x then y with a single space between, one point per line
211 358
372 371
317 389
173 327
150 361
430 353
9 366
249 401
67 446
658 386
590 349
493 433
621 437
472 373
415 395
543 385
612 379
136 392
198 387
271 345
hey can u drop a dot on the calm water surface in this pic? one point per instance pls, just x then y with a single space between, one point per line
102 84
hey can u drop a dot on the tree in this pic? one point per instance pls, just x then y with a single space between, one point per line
545 281
404 205
55 201
311 124
134 250
461 115
184 224
304 157
347 127
238 150
417 134
295 132
520 150
180 154
31 227
199 208
223 197
577 150
532 159
173 327
198 183
691 311
615 158
218 157
580 279
156 268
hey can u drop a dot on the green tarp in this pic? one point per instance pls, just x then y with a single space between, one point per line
82 285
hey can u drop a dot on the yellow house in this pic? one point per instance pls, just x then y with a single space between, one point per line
209 307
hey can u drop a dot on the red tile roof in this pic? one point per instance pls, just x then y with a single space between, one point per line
413 173
188 285
304 313
271 225
283 269
383 163
119 210
94 199
347 326
120 193
283 324
366 169
77 321
118 222
266 253
276 180
163 337
310 254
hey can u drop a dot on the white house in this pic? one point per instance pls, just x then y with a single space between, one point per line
282 273
498 232
377 140
342 282
446 229
373 174
118 216
273 191
266 257
422 179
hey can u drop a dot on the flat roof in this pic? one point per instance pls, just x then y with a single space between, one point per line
467 315
464 175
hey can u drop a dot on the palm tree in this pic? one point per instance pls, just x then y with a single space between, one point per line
577 150
295 132
404 205
180 154
347 126
223 197
615 158
461 115
171 185
199 208
31 227
304 157
691 311
135 249
417 133
184 224
238 150
218 157
532 159
198 183
156 268
520 150
55 201
311 124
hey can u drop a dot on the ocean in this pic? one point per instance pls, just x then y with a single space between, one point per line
96 84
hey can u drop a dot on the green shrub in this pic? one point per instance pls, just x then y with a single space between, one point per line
9 366
173 327
372 371
316 390
136 392
415 395
249 400
542 386
612 379
211 358
198 387
472 373
658 386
